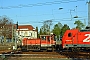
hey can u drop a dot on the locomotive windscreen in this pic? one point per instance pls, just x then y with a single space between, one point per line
86 30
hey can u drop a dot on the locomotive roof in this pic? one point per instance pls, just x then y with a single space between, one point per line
85 30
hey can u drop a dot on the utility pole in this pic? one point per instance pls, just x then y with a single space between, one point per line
88 26
15 47
12 33
89 13
16 37
71 14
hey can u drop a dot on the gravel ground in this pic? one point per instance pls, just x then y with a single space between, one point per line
35 59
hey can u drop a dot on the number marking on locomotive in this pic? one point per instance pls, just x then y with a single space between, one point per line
87 39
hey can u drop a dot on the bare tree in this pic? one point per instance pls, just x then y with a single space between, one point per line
46 27
5 27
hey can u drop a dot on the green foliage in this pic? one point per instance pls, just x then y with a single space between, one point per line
79 25
57 29
64 28
37 31
41 31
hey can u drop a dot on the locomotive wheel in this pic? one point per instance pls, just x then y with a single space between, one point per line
57 47
78 49
75 49
52 49
45 50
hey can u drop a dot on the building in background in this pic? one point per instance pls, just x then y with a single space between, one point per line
10 32
26 31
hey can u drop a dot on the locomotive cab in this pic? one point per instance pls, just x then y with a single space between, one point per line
76 39
47 41
69 38
44 42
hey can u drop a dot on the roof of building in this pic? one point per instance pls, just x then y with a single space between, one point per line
29 27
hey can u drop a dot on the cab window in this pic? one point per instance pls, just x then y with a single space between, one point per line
48 38
69 34
43 38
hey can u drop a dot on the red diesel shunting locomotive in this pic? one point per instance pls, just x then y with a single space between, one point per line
44 42
76 39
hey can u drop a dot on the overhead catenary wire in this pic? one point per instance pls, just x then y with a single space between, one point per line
57 20
39 4
42 4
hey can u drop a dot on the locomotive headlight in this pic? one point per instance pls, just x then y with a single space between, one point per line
63 47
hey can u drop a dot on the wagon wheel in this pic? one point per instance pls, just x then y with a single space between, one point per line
78 49
52 49
45 50
75 49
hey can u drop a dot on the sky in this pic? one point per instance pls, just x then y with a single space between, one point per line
34 12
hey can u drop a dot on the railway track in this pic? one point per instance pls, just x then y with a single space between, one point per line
32 55
76 54
36 54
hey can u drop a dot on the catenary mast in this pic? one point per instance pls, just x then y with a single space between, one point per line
88 26
89 13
